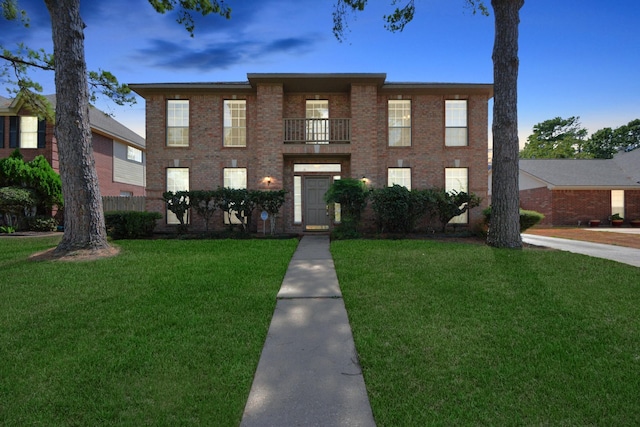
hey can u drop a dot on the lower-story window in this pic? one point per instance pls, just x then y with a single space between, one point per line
177 180
399 176
457 179
297 199
617 202
235 178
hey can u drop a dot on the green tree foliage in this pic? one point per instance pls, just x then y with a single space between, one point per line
556 138
565 139
178 203
397 209
204 203
450 204
83 208
37 175
15 203
352 194
271 202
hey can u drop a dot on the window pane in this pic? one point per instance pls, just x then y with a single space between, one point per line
177 180
617 202
235 120
134 154
399 176
456 113
28 132
317 113
399 123
337 208
456 137
456 123
457 179
235 178
178 123
317 167
297 199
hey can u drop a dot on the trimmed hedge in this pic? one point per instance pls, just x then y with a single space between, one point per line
40 223
130 224
527 218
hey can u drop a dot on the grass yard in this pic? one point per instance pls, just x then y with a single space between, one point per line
168 333
456 334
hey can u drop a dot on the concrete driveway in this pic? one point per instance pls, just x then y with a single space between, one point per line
616 253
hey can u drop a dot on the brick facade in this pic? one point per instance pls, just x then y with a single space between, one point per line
577 207
274 98
102 146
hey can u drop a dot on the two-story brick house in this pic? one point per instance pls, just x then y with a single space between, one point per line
302 131
118 151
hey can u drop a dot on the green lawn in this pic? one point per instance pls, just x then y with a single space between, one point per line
454 334
168 333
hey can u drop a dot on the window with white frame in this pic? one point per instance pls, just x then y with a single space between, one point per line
317 114
617 202
456 134
235 123
399 176
457 179
234 178
28 132
177 180
399 119
134 154
297 199
177 123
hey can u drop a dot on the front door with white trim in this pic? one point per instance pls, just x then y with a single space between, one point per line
315 208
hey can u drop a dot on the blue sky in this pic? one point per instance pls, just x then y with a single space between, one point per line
576 58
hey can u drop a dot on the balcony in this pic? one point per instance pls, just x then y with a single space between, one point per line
317 131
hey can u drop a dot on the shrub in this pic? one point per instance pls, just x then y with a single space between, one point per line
15 202
397 209
450 204
527 218
352 195
130 224
40 223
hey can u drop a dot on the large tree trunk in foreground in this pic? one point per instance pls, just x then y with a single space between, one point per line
84 227
504 231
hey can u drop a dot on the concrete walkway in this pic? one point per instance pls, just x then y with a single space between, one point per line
616 253
308 373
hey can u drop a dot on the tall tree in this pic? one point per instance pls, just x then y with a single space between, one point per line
505 221
84 219
556 138
602 144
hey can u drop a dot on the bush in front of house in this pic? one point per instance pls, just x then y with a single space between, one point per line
352 194
40 223
130 224
527 218
397 209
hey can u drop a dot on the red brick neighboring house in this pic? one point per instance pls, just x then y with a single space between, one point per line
119 152
574 192
300 132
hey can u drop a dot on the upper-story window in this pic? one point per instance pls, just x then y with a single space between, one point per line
177 123
399 123
318 125
28 132
134 154
235 123
456 123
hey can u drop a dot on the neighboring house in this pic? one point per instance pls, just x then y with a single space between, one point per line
573 192
300 132
119 152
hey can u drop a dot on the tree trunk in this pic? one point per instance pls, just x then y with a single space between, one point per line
504 231
84 227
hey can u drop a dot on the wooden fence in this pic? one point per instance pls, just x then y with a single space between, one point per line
115 203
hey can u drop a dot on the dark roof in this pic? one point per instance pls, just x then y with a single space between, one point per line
570 173
107 125
99 121
314 82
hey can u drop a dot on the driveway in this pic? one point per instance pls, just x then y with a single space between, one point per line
624 254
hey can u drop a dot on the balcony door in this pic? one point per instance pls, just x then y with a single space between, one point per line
316 213
317 114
